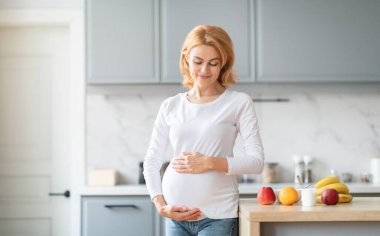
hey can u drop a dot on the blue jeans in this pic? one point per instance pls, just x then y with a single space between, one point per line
204 227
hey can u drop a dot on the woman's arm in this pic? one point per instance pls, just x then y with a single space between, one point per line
194 162
250 163
157 146
152 166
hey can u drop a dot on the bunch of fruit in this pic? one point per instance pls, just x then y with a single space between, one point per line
331 191
286 196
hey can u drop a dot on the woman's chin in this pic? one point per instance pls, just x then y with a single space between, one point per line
205 82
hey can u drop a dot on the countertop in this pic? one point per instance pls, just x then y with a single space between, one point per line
360 209
353 218
244 189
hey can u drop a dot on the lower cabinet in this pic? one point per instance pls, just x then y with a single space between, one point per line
120 216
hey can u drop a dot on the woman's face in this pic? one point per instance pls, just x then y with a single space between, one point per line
204 65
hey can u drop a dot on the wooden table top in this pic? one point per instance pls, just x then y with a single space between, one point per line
360 209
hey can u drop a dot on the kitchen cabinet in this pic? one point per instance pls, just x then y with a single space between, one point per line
119 216
139 41
178 17
121 41
317 40
124 38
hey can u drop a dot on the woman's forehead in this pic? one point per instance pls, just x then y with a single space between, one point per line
204 52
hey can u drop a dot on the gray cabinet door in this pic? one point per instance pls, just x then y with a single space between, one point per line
121 37
178 17
118 216
318 40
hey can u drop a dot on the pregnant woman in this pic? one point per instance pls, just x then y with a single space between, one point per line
198 194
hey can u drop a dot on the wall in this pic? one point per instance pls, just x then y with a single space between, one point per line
338 124
24 4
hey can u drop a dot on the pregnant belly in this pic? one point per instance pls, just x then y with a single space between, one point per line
197 190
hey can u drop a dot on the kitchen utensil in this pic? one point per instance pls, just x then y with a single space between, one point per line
308 171
299 179
299 168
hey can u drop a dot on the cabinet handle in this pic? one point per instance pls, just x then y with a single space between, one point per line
65 194
122 206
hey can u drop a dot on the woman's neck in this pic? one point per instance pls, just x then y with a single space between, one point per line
197 92
204 95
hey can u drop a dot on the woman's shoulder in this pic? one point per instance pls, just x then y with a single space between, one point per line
176 98
240 96
172 101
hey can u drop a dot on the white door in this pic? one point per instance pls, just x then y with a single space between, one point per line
34 130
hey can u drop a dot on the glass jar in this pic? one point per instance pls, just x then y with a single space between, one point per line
270 172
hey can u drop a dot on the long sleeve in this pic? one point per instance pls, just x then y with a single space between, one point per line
210 129
247 125
156 150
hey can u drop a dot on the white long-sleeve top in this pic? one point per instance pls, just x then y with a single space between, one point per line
210 129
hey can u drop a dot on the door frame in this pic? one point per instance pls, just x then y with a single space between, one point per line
74 20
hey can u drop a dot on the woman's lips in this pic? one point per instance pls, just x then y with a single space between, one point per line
204 76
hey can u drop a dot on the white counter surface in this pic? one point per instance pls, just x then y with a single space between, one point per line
138 189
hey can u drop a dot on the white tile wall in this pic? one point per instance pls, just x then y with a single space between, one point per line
337 124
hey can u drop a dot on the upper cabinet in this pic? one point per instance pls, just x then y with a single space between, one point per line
317 40
121 41
139 41
178 17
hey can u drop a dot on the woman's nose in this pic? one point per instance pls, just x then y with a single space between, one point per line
204 68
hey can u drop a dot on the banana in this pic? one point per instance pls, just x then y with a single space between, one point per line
343 198
339 187
319 199
325 181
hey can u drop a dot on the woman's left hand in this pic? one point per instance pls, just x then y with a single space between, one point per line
191 162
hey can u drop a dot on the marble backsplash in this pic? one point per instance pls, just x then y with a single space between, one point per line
338 125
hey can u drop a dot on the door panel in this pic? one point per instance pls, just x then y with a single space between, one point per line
22 227
34 130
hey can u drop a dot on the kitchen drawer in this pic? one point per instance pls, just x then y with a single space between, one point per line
118 216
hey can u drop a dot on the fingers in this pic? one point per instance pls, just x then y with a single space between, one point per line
188 153
189 215
182 168
182 213
179 165
179 208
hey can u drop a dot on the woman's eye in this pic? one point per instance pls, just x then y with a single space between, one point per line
214 64
198 62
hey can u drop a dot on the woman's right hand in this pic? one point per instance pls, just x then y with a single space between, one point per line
179 213
175 212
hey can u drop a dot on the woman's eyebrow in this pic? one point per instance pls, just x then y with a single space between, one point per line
216 58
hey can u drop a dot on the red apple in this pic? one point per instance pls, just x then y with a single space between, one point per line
266 196
330 196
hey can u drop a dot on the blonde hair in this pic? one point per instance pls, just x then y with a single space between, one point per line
211 36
